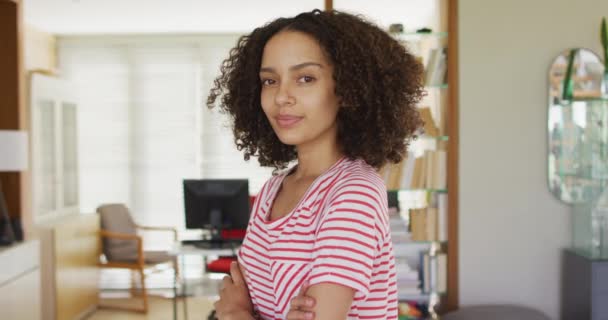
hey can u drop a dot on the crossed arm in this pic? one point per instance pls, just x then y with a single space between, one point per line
322 301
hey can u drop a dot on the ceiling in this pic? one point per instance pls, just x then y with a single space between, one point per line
202 16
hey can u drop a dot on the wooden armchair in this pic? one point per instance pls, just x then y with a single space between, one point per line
123 248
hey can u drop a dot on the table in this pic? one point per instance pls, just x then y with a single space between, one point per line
180 250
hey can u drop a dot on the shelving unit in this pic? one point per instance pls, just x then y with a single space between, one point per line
438 300
449 140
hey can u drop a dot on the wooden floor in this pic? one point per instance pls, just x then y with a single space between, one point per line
160 308
202 291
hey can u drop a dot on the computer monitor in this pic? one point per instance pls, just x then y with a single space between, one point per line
393 199
214 204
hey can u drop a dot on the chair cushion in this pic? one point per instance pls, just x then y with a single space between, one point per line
117 218
154 257
495 312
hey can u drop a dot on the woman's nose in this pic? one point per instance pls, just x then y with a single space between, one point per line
284 96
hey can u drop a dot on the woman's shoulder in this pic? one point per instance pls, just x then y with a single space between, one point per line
357 173
357 181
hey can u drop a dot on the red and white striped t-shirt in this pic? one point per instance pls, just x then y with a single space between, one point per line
338 233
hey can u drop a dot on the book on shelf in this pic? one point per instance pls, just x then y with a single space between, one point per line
425 276
418 222
432 264
442 119
429 224
430 126
442 216
419 175
442 272
436 68
428 171
433 272
436 169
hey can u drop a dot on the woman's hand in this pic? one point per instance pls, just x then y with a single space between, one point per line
301 306
234 302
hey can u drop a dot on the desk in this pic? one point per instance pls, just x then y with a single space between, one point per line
180 250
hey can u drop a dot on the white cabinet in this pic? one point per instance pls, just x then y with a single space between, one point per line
20 281
54 148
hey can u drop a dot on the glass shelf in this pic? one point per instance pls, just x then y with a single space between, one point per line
438 86
427 137
567 103
419 35
603 176
418 297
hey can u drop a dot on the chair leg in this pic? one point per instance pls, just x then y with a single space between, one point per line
176 269
133 290
144 292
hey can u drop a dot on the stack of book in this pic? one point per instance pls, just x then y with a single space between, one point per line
430 223
408 279
428 171
433 272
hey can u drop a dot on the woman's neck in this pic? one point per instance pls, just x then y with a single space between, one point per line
313 162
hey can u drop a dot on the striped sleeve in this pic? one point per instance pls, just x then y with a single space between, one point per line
347 238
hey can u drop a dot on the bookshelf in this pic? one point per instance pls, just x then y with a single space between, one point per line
447 141
424 228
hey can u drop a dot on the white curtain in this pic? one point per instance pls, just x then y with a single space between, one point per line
143 123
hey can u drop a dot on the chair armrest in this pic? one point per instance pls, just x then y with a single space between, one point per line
151 228
126 236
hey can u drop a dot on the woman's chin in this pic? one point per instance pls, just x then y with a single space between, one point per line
289 140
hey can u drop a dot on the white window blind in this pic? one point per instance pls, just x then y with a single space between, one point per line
143 123
219 157
100 75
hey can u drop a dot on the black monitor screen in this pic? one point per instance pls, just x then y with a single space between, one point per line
216 204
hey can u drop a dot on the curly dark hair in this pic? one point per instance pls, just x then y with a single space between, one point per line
377 80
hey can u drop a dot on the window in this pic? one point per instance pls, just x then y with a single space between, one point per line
143 123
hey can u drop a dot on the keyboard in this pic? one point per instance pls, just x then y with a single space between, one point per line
213 244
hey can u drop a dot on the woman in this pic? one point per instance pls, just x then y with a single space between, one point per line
338 95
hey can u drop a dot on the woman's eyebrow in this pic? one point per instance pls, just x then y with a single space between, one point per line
294 67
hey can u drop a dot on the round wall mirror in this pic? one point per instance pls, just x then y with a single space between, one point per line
577 134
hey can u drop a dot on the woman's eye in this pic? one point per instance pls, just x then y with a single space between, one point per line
267 82
306 79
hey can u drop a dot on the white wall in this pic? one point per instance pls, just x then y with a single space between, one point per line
511 228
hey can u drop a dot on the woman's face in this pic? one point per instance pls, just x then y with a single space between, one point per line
298 90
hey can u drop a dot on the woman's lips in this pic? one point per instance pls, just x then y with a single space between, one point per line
288 121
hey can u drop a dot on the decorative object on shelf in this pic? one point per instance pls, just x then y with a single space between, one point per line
13 148
577 126
395 28
604 40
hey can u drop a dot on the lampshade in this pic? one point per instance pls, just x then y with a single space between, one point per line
13 150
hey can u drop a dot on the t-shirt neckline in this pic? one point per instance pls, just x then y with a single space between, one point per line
272 196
